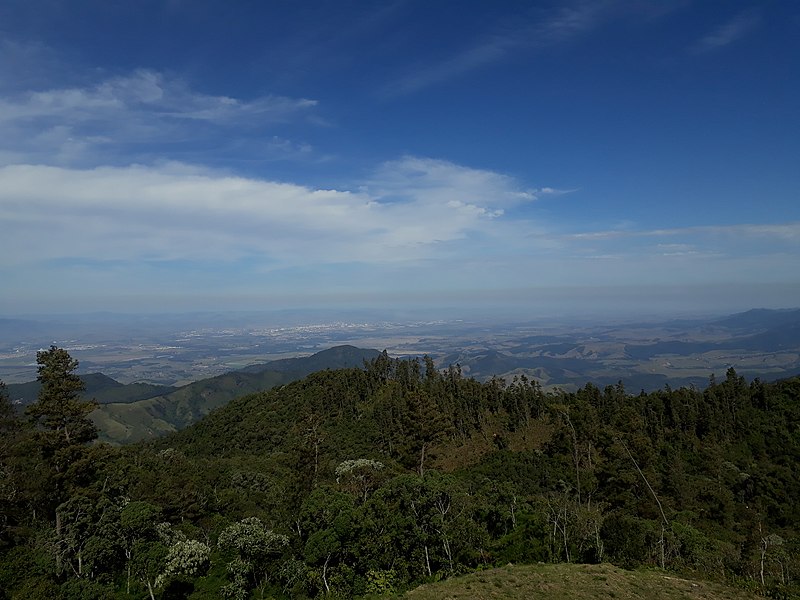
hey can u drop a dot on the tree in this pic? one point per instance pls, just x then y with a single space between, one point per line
137 525
148 562
8 417
359 476
75 521
9 427
59 411
252 545
185 558
164 559
329 523
425 426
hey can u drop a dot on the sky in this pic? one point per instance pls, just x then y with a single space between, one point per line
525 157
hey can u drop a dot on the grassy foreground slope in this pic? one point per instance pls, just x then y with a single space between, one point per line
573 582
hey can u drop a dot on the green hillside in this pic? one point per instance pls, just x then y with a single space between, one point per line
363 481
122 422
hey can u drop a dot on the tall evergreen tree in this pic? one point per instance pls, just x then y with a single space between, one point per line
59 412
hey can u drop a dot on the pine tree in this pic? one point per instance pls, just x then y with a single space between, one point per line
59 412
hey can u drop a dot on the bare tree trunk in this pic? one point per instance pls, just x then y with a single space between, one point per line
315 438
448 553
316 460
652 491
513 512
575 455
428 561
58 535
764 545
564 533
325 574
598 543
665 523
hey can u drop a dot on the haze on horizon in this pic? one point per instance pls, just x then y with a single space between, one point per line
567 156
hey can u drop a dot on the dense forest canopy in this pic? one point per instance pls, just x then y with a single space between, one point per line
369 480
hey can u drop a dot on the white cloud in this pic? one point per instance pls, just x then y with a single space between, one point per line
548 191
411 209
73 125
444 181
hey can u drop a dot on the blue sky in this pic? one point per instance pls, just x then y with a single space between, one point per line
503 156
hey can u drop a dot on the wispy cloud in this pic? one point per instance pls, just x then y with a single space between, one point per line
558 26
784 231
28 64
724 250
148 91
63 125
554 192
727 33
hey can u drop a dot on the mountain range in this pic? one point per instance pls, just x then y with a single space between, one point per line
644 356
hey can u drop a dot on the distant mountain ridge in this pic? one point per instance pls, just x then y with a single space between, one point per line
99 387
755 330
761 318
745 340
138 411
342 356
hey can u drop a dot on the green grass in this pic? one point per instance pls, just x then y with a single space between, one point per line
573 582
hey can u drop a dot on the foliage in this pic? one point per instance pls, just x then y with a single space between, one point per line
58 409
184 557
368 481
253 547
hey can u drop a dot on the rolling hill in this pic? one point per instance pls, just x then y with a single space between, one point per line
126 422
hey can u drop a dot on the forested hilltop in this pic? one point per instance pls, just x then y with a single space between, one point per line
367 481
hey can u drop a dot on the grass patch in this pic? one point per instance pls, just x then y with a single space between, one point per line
573 582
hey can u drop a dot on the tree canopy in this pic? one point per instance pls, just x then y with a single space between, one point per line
359 481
